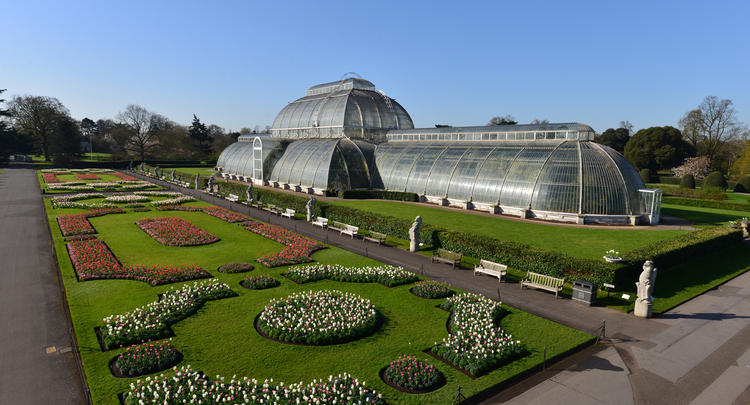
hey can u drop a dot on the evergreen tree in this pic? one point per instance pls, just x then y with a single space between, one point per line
200 136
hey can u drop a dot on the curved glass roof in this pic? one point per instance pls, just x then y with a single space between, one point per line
238 158
559 176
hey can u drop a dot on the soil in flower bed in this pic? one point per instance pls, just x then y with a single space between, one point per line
170 231
439 384
235 268
162 355
260 282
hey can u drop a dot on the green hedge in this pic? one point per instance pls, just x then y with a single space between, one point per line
392 226
673 180
694 202
710 193
527 258
379 194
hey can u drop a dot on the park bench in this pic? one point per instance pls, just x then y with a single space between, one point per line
543 282
350 230
233 197
336 226
321 222
272 209
289 213
491 269
446 256
375 237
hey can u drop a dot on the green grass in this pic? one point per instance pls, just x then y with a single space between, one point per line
220 339
738 198
581 242
203 171
95 157
702 216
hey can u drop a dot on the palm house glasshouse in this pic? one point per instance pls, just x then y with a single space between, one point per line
348 135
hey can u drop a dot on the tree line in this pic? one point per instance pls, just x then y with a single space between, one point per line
42 125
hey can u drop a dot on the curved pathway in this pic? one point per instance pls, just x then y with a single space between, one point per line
37 362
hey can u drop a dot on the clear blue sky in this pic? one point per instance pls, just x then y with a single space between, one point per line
238 63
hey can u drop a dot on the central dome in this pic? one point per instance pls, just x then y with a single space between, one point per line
351 108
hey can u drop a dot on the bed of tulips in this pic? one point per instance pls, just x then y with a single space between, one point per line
123 176
387 275
173 201
127 198
225 215
147 358
191 386
432 289
76 224
50 178
299 247
237 267
170 231
87 176
414 374
476 343
152 321
260 282
318 317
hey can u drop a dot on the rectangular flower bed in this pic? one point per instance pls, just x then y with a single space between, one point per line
87 176
299 250
50 178
387 275
78 224
123 176
225 215
171 231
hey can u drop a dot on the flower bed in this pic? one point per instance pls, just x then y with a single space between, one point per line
76 224
475 343
82 205
87 176
235 268
173 201
413 375
175 232
124 177
318 318
152 321
50 178
147 358
225 215
299 250
127 198
164 274
187 385
431 289
260 282
387 275
159 193
76 197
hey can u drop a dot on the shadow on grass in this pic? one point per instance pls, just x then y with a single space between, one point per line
700 217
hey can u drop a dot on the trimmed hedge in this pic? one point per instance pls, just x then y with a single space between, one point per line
646 175
694 202
379 194
715 179
711 193
743 185
687 181
392 226
527 258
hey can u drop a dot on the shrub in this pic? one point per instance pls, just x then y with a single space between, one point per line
379 194
414 374
235 268
715 179
710 193
646 175
147 358
743 185
693 202
432 289
260 282
687 181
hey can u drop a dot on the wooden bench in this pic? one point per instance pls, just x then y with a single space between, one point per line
289 213
350 230
542 282
375 237
233 197
491 269
446 256
321 222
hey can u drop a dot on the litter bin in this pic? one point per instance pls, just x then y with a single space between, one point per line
584 291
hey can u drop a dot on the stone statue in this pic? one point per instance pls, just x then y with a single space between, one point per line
142 168
645 286
211 184
130 165
414 234
197 181
310 208
249 192
157 171
171 175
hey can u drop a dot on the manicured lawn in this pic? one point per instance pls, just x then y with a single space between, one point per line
581 242
738 198
203 171
220 338
701 216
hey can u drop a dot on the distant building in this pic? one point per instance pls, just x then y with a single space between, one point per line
348 135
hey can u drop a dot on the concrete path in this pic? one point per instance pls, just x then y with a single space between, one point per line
37 364
697 353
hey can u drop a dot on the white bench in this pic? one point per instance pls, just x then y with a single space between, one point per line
321 222
350 230
543 282
491 269
336 226
289 213
375 237
233 197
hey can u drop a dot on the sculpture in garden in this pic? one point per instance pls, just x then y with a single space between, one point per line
645 287
414 234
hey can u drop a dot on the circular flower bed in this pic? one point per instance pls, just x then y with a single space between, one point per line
318 318
260 282
431 289
235 268
409 374
146 358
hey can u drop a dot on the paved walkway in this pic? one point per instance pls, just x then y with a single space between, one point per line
33 317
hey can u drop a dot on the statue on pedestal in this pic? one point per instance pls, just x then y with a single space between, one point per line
197 181
645 286
156 171
171 175
310 208
130 165
142 167
211 184
414 234
249 192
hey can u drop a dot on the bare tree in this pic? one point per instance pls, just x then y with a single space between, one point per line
627 125
37 116
691 125
717 123
536 121
144 126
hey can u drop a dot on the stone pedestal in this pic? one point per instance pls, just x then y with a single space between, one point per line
643 308
414 234
744 226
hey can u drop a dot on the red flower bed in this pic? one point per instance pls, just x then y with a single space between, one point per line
175 232
123 176
92 260
78 224
50 178
225 215
299 250
87 176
